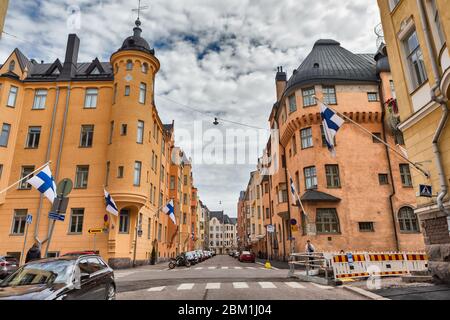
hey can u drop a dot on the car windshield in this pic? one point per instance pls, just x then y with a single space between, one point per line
49 272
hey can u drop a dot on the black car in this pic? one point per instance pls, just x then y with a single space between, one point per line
85 277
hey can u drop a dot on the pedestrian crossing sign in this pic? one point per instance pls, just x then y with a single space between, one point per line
426 191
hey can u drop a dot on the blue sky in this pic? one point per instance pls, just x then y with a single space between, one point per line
218 56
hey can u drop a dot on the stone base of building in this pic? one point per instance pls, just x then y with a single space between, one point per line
439 262
126 263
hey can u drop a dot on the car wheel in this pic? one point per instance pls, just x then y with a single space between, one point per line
111 292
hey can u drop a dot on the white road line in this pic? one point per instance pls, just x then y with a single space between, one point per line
322 287
213 286
200 268
251 268
125 274
295 285
156 289
238 268
267 285
224 268
211 268
186 286
240 285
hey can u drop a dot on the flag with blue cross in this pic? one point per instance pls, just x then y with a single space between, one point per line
169 209
331 125
44 183
110 204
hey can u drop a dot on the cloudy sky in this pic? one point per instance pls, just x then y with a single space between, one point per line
217 56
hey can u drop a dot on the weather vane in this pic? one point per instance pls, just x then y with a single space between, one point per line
139 9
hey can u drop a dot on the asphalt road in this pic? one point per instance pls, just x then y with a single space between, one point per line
220 278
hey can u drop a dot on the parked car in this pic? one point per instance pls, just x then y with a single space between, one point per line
80 253
192 257
8 265
247 256
201 254
85 277
236 254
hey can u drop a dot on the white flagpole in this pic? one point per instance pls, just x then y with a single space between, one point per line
26 177
427 175
296 194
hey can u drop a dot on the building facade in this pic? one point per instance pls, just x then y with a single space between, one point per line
338 214
98 125
222 232
417 34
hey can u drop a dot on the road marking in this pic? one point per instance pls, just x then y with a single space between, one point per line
200 268
156 289
240 285
238 268
267 285
124 274
213 286
211 268
322 287
224 268
295 285
186 286
251 268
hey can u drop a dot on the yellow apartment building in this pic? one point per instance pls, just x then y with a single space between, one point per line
417 34
98 125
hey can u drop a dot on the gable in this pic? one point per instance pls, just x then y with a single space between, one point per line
15 65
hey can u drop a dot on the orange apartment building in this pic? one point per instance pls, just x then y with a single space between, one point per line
98 125
363 199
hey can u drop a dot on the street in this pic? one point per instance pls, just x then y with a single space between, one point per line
220 278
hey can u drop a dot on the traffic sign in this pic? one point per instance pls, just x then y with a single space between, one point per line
56 217
95 231
293 222
426 191
270 228
64 187
29 219
140 233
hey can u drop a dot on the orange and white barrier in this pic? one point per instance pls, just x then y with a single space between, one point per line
343 268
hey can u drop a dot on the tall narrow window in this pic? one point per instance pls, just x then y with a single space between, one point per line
34 135
144 68
405 174
307 139
12 66
333 179
123 130
124 221
120 172
129 65
19 221
172 183
294 144
437 31
115 93
137 173
140 132
76 221
111 132
127 91
392 87
415 60
81 177
4 135
292 103
90 101
308 97
142 92
329 94
310 178
26 171
40 97
408 220
1 170
12 97
108 169
87 136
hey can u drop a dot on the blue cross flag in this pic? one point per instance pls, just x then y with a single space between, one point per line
331 125
110 204
169 209
44 183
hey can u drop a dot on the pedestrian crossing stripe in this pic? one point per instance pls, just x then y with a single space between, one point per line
213 286
156 289
240 285
186 286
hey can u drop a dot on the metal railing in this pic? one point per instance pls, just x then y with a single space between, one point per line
309 261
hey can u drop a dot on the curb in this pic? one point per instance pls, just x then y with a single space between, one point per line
365 293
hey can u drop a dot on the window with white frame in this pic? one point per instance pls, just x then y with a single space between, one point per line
86 136
12 98
90 101
76 221
40 97
19 221
415 60
137 173
310 178
329 94
34 135
25 172
438 33
307 138
292 103
142 92
81 177
140 132
308 97
4 134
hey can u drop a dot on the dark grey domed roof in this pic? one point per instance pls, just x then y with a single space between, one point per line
328 62
382 60
136 42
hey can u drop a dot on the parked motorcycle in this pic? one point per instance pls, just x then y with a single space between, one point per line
179 261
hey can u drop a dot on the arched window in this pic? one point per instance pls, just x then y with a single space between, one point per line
12 66
407 220
327 221
129 65
144 68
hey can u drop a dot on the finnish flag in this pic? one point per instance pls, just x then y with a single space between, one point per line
331 125
110 204
44 183
169 209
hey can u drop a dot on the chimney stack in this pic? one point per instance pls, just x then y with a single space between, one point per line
70 62
281 82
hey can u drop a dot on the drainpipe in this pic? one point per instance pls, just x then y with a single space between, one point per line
443 103
288 231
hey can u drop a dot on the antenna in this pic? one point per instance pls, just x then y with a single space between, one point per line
380 34
139 9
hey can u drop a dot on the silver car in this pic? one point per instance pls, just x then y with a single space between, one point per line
8 265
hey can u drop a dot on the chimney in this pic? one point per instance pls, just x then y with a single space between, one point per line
70 62
281 82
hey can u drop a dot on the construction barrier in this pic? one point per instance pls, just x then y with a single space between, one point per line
343 268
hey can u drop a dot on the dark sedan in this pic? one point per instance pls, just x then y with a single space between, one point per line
66 278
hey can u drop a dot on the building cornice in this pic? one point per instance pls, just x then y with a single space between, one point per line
418 116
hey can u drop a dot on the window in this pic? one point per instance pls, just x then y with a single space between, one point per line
123 130
415 60
26 171
40 97
124 221
34 135
327 221
4 135
392 86
292 103
407 220
19 221
333 179
172 183
378 135
437 30
91 99
129 65
12 66
76 221
142 92
115 93
120 172
329 94
87 136
405 174
185 180
383 178
294 144
144 68
149 228
372 96
307 139
140 132
308 97
393 4
398 137
310 178
1 170
137 173
111 132
127 91
108 167
184 218
282 193
324 138
12 97
81 177
366 227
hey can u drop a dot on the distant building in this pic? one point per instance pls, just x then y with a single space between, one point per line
222 232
